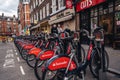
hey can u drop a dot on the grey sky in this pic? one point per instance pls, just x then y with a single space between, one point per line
8 7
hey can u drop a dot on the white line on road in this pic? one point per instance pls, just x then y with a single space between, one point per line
18 59
22 70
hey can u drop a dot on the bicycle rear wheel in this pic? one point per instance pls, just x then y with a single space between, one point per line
24 54
95 62
53 75
39 68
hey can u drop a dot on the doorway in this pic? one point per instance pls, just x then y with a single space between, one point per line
85 23
106 21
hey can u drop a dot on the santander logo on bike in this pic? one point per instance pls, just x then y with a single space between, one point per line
59 63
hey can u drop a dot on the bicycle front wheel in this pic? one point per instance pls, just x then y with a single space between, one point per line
31 59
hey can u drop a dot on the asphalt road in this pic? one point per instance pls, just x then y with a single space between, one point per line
12 67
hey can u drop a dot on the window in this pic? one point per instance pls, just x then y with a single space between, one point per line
31 8
44 12
117 22
110 6
94 12
117 5
34 17
31 19
36 2
101 10
0 28
37 16
54 6
47 9
8 28
40 2
60 4
40 14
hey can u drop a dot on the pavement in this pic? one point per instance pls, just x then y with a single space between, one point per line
114 62
13 67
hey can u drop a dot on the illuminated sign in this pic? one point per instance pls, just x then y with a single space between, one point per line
84 4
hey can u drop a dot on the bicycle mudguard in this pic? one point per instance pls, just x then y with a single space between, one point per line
60 62
35 51
47 54
28 46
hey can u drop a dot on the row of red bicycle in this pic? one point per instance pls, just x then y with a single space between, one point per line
60 56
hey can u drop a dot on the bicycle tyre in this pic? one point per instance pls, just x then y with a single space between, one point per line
24 54
53 75
31 60
38 68
95 67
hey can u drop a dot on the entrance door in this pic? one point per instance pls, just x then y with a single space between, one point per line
85 23
85 19
107 22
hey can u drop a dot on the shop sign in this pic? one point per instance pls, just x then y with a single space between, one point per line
62 14
84 4
69 4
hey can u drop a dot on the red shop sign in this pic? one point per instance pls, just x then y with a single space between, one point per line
69 4
84 4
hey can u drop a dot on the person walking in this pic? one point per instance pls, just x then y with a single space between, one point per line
59 29
54 29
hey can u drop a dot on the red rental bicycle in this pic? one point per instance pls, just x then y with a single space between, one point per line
66 67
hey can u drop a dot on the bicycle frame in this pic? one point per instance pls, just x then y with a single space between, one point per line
65 62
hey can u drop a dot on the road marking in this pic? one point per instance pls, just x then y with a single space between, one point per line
9 63
9 55
22 70
9 51
18 59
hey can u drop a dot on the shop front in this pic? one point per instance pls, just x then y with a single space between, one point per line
44 27
64 18
103 13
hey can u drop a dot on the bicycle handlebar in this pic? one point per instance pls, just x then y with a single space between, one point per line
91 35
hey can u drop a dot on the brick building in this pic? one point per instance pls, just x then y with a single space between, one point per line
45 13
40 14
8 26
23 15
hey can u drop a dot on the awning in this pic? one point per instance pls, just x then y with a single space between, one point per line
36 26
61 19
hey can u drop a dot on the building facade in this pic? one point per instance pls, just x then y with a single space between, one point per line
24 16
46 13
40 14
103 13
8 26
61 15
